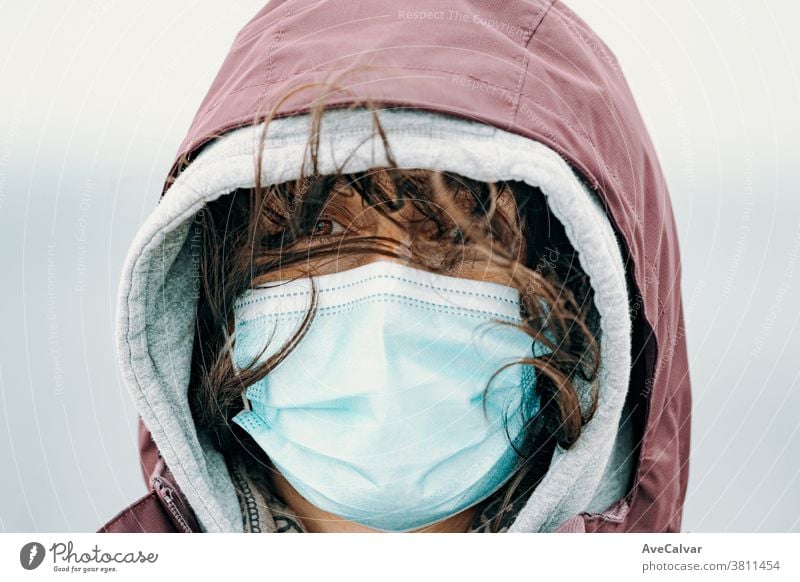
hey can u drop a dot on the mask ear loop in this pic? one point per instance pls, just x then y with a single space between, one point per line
246 401
243 394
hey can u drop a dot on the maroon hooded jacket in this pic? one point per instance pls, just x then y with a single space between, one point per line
530 67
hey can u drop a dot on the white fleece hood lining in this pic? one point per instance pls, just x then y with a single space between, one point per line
159 286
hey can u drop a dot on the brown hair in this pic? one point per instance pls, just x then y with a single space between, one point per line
250 232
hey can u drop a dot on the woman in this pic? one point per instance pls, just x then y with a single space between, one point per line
443 298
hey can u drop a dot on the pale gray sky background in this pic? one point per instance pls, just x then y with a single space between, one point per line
96 96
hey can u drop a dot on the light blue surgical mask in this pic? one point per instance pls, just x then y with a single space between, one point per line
376 415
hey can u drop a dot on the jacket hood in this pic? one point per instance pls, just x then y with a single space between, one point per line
518 90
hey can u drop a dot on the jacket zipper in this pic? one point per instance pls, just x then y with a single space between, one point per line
169 502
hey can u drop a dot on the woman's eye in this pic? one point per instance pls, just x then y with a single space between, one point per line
326 227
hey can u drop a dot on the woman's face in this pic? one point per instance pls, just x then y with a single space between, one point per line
346 216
